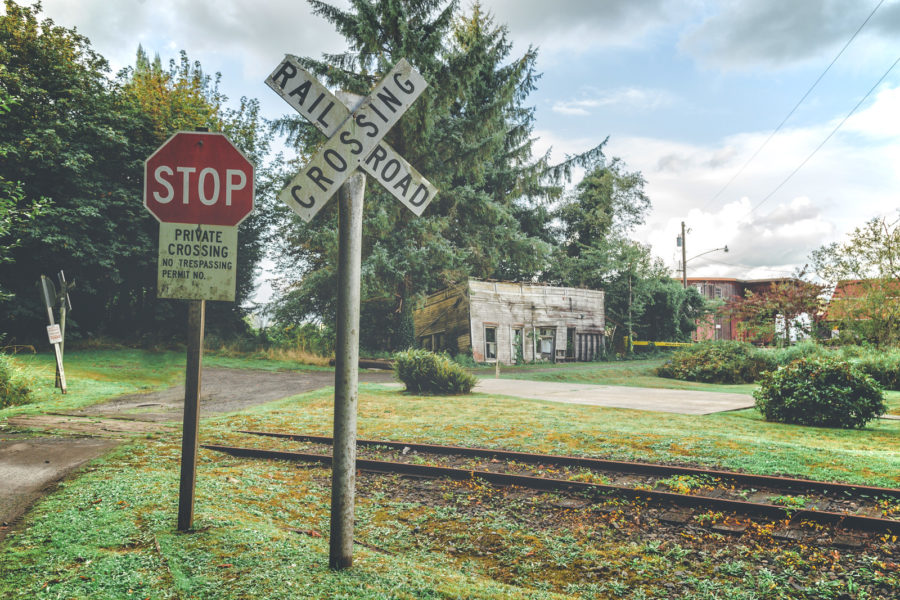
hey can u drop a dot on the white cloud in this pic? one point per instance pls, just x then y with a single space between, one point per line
775 33
851 179
248 36
881 120
628 98
577 108
579 25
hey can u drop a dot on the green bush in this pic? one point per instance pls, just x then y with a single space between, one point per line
882 365
803 349
429 373
718 362
823 392
14 388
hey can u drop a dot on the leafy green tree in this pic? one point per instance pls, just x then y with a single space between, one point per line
609 202
62 140
670 311
77 138
595 251
470 133
757 314
863 272
14 212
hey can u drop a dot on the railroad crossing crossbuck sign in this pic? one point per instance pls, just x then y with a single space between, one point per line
354 139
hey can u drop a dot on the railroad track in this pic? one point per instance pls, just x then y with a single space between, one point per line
844 506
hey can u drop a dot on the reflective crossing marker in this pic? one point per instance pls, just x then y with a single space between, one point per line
354 138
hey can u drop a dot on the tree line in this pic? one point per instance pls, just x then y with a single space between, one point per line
73 139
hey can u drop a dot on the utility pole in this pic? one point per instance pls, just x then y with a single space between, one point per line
683 257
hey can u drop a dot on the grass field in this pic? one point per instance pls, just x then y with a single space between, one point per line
262 527
96 375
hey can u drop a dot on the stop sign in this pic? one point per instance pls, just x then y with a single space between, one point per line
198 178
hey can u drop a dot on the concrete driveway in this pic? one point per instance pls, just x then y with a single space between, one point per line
684 402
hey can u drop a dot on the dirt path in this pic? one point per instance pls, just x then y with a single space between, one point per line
32 466
221 391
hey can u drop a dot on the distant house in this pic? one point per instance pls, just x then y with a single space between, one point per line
513 322
855 300
718 327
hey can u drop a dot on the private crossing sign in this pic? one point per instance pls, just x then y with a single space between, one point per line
354 138
199 186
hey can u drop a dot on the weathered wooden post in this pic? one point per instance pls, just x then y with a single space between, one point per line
54 333
65 305
354 141
191 421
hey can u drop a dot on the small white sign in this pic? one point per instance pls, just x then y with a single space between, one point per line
55 334
197 262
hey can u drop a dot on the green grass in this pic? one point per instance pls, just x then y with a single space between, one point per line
735 440
262 526
108 536
93 376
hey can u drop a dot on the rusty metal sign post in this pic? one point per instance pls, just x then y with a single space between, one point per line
199 187
354 142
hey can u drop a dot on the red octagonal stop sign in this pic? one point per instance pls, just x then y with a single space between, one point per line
198 178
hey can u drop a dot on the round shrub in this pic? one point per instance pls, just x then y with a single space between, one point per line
717 362
822 392
425 372
13 388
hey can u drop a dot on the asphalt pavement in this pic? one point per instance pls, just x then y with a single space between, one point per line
684 402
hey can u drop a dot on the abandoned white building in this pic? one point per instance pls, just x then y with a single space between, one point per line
513 322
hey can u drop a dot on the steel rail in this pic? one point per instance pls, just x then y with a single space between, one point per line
857 522
610 465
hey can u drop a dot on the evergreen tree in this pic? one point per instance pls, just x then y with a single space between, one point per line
594 225
470 133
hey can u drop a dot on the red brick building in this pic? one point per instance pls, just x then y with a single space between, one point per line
724 289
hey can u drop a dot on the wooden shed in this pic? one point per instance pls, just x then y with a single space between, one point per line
513 322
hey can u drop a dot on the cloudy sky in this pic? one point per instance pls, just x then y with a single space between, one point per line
688 91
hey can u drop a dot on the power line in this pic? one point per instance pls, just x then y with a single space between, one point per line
793 110
828 137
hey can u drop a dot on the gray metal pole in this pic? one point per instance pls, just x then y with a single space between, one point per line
683 257
191 426
346 372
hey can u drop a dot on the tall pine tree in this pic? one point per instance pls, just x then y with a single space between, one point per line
470 133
